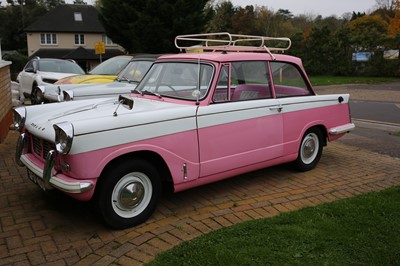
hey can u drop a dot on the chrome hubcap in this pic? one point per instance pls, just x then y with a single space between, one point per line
309 148
131 195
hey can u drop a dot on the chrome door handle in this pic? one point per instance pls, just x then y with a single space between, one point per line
277 108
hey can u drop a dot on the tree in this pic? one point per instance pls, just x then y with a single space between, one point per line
14 18
368 32
388 4
222 17
243 22
151 25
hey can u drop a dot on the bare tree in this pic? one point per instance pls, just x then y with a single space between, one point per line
388 4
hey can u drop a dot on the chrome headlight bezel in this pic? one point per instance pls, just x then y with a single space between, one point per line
68 95
64 134
19 118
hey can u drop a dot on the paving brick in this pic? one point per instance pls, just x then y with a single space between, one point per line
169 238
32 232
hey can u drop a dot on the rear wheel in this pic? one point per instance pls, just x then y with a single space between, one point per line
128 193
310 150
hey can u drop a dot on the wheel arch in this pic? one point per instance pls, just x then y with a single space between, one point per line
324 132
149 156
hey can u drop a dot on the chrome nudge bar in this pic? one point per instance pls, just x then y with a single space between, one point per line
224 41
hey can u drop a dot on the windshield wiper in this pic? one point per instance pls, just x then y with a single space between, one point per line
126 79
150 93
137 92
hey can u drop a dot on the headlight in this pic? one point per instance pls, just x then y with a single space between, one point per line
64 136
47 80
19 118
68 95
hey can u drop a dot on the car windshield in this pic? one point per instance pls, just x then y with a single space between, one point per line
183 80
111 66
134 71
59 66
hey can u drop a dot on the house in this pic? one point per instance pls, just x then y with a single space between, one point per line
70 32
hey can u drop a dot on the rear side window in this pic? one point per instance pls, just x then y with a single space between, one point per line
249 80
288 80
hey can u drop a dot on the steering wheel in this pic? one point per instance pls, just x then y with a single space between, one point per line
168 86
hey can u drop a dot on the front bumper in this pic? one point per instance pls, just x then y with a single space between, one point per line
43 173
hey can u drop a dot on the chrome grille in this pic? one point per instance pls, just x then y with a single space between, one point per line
41 147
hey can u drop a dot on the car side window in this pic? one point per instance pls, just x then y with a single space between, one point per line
29 66
248 80
288 81
222 90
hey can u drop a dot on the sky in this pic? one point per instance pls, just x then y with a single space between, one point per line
313 7
309 7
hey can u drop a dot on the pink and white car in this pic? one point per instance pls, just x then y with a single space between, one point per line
195 118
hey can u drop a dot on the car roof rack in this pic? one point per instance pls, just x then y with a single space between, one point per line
224 41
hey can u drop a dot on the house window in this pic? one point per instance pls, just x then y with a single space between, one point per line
78 16
79 39
48 38
107 40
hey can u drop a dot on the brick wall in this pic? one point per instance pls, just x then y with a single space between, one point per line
5 99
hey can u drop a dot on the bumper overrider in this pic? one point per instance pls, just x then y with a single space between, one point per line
342 129
44 177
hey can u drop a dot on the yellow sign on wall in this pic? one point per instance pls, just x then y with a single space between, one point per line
100 48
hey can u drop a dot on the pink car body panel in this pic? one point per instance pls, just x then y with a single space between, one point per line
214 140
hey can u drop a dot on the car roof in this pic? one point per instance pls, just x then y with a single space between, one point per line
224 57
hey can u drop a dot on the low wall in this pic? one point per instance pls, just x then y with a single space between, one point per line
5 99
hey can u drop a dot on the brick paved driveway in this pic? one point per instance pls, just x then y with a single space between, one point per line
39 228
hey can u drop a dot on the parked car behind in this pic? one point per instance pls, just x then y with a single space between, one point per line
126 81
195 118
44 71
105 72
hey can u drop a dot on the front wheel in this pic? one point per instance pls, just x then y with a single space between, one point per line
310 150
128 193
36 96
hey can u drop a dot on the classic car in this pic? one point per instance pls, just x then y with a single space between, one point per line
125 82
42 71
105 72
195 118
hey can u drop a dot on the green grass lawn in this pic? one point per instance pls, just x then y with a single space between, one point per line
364 230
336 80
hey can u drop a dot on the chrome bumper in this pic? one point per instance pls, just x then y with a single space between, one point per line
44 177
50 181
342 129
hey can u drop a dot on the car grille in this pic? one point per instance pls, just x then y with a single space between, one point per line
41 147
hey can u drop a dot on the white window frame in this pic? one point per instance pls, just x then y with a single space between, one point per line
48 38
79 39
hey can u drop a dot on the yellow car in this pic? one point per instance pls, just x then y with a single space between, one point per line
103 73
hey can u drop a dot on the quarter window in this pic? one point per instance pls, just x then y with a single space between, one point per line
48 38
288 80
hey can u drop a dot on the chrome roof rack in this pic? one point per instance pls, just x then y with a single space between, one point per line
224 41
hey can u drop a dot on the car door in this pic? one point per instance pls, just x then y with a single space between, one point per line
299 107
243 130
27 76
